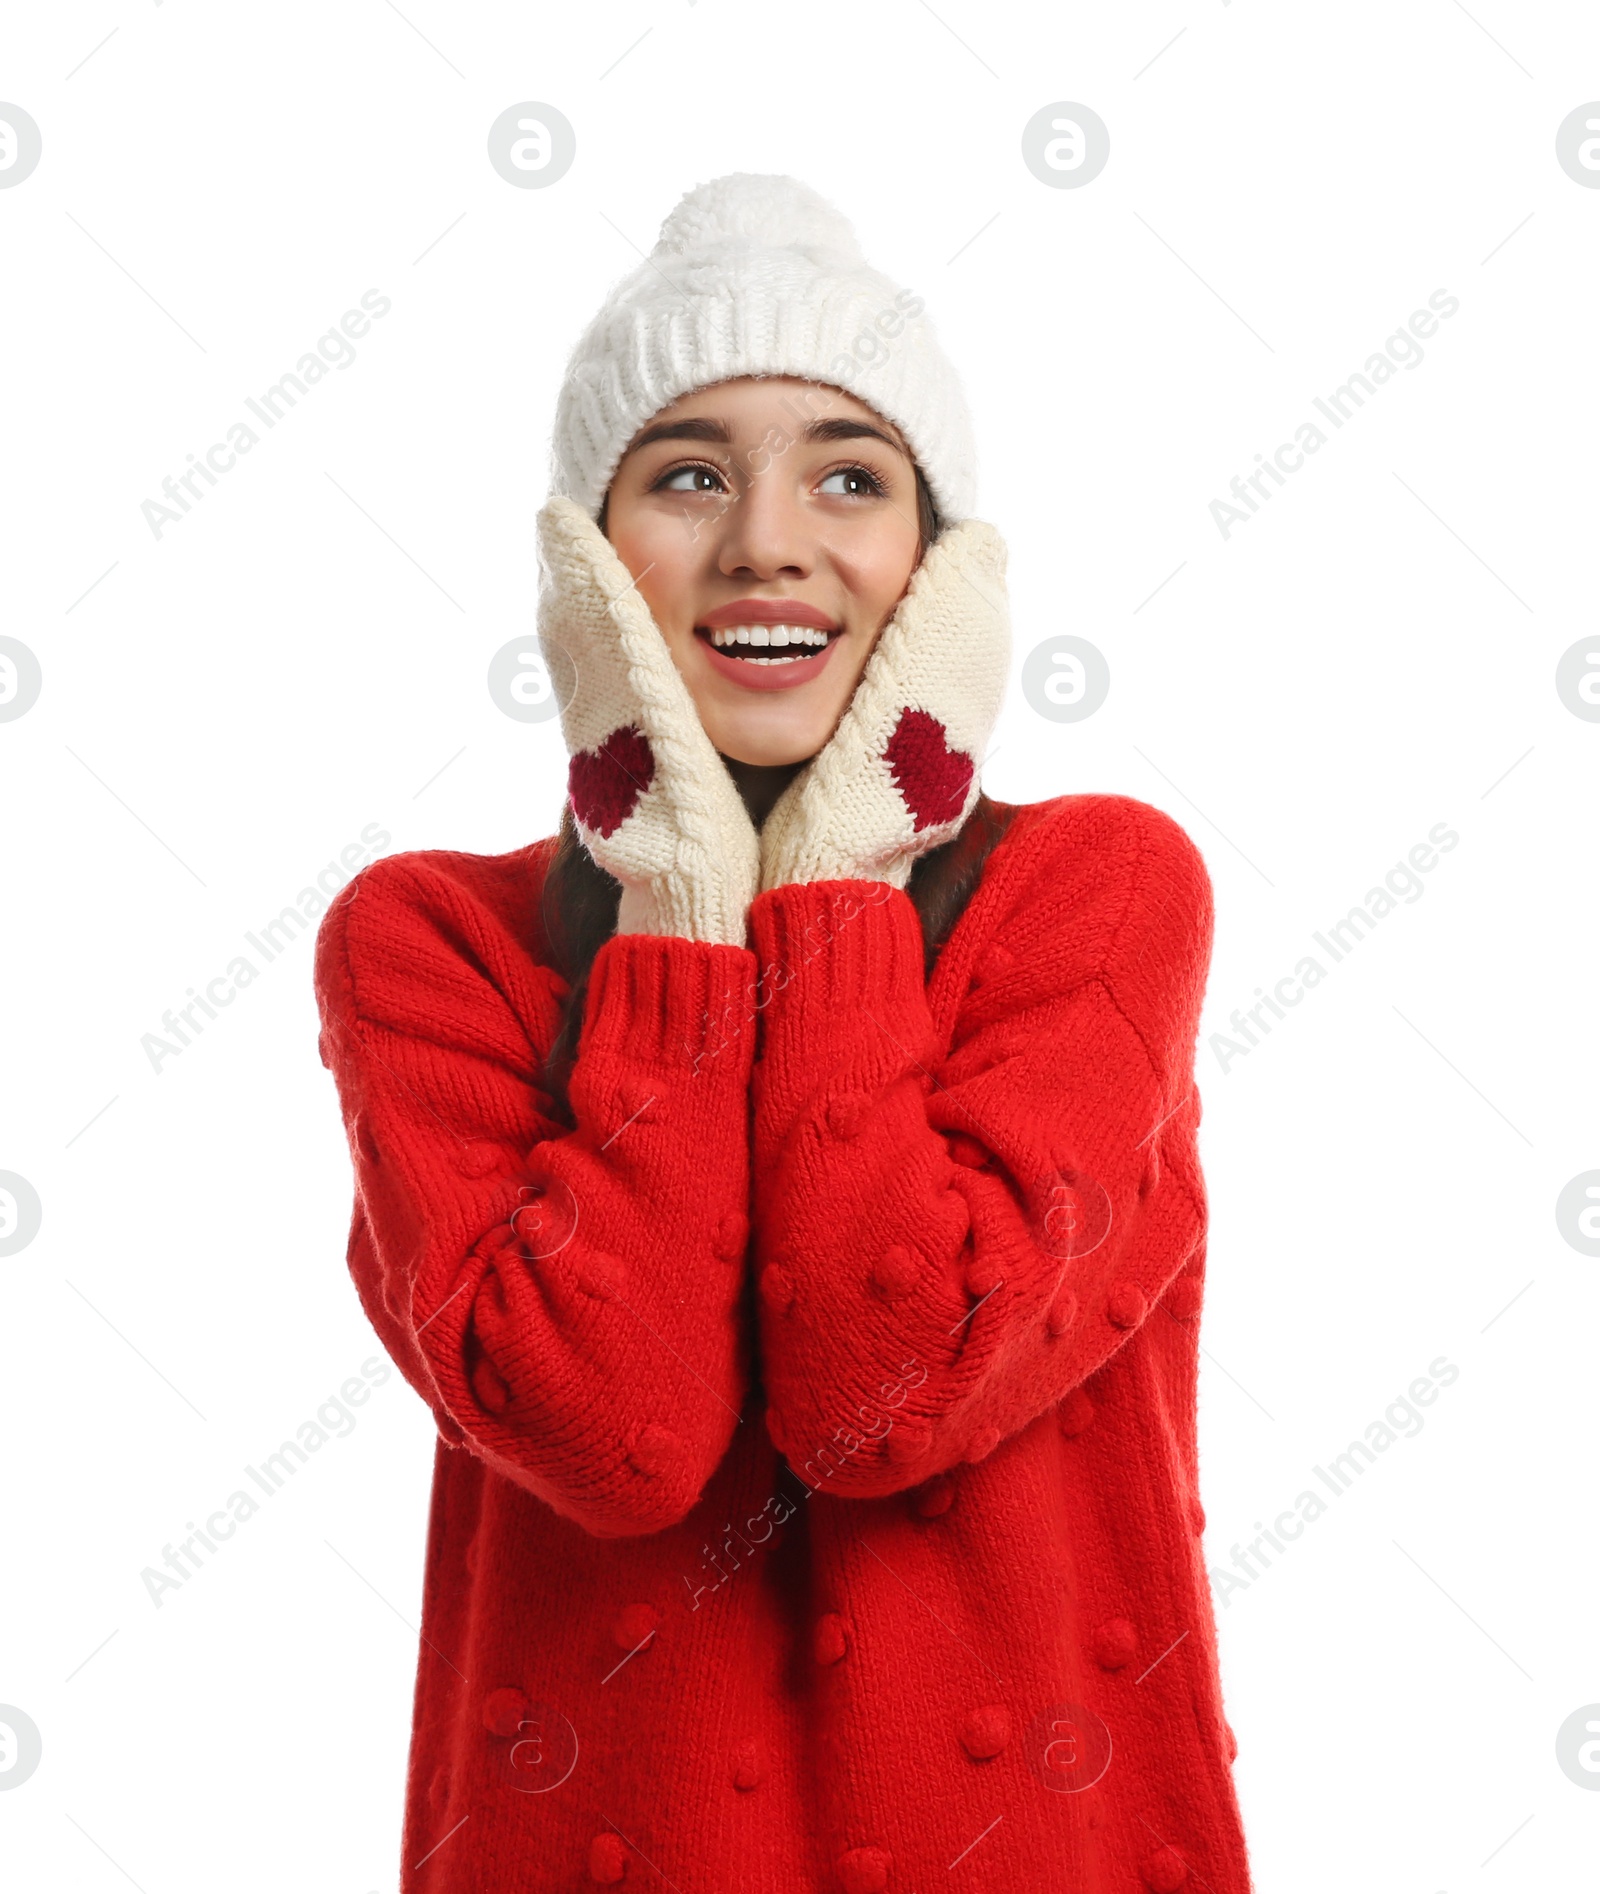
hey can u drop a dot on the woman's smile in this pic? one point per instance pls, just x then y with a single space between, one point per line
885 1033
767 644
772 526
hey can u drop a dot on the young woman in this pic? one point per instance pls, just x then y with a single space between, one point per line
781 1184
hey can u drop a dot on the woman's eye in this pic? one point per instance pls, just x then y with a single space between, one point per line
857 482
690 480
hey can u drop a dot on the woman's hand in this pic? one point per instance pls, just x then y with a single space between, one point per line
899 775
653 801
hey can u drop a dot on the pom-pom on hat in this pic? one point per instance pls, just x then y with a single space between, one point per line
756 275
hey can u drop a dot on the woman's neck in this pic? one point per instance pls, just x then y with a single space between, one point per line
761 784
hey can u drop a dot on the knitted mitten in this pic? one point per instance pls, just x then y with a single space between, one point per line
653 801
899 775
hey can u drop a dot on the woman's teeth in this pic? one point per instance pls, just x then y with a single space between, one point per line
807 636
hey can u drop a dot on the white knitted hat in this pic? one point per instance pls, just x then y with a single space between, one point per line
757 275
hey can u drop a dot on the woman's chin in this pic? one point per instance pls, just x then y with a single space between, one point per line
767 756
765 748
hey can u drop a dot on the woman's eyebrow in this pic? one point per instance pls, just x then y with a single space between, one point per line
706 428
842 428
699 428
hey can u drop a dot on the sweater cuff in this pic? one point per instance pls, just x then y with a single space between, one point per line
671 1002
828 949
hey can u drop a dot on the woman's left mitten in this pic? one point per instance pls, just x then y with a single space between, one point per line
899 775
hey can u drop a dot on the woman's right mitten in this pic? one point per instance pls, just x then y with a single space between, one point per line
653 801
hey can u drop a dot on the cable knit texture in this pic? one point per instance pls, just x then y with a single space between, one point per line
653 801
815 1503
899 775
758 275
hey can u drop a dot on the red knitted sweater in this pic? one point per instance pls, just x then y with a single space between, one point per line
815 1507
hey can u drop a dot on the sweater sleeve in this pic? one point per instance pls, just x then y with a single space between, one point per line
952 1242
565 1300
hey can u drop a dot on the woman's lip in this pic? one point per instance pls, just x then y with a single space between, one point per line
765 677
767 611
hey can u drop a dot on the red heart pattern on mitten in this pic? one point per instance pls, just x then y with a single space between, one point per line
933 778
899 775
605 784
653 802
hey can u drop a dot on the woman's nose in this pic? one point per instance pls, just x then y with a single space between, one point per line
765 534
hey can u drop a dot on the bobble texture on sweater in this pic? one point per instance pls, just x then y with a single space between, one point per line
815 1504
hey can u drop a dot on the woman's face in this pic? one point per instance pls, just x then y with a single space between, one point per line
761 519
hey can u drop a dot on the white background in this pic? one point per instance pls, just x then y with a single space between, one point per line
226 707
